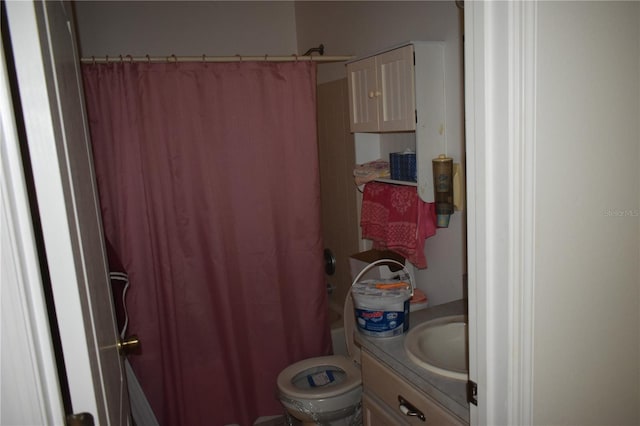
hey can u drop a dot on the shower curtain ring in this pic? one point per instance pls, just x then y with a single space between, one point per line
296 55
174 58
121 60
93 60
148 58
265 57
239 57
130 59
204 58
106 58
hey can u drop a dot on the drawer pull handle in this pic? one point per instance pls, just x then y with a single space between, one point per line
409 410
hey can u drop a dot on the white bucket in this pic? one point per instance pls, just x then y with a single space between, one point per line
381 307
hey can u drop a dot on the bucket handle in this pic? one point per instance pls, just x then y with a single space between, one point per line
379 262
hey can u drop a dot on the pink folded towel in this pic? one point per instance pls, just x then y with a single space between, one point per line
394 218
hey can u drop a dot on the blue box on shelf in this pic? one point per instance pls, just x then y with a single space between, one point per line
403 166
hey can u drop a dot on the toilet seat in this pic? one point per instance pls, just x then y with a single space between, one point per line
287 376
325 389
349 365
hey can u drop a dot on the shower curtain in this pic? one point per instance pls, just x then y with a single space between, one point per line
209 190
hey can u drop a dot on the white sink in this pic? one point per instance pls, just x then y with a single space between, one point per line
440 346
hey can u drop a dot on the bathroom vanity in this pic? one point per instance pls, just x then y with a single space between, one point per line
399 392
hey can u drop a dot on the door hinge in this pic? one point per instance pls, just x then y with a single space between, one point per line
80 419
472 393
416 114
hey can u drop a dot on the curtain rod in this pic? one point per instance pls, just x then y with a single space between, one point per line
205 58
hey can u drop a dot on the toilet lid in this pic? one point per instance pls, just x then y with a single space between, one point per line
348 317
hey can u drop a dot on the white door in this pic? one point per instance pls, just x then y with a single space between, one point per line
46 61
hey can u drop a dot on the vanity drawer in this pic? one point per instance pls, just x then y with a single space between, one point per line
377 413
380 381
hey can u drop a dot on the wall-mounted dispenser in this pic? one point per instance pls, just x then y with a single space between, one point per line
443 189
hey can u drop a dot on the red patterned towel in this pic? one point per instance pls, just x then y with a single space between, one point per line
394 218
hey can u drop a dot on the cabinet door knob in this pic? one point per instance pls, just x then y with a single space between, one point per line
372 94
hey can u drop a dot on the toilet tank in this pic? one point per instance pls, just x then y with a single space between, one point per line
338 341
337 330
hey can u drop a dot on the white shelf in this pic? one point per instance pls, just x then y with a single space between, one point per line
397 182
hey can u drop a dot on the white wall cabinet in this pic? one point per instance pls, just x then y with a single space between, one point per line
397 99
381 404
382 92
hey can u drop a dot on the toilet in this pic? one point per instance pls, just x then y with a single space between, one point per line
328 389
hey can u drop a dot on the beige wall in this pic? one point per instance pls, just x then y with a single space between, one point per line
362 27
587 281
336 157
186 28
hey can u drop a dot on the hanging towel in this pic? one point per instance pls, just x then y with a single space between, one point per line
119 286
394 218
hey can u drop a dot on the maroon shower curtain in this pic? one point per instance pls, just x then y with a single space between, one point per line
209 188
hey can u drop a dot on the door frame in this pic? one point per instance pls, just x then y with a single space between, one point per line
500 109
51 98
28 359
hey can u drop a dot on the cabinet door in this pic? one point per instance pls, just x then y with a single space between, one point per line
376 413
363 95
386 386
396 89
